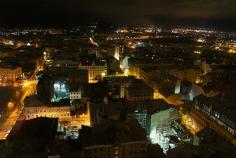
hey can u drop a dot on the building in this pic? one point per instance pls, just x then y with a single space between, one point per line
138 90
96 70
99 112
75 95
149 72
154 116
211 113
192 75
10 74
206 143
70 120
117 53
152 113
114 140
63 64
31 138
117 84
99 151
56 84
34 108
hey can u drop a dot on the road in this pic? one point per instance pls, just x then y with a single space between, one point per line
28 88
9 123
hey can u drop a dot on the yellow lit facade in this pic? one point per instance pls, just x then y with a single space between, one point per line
10 74
190 123
60 112
95 71
190 74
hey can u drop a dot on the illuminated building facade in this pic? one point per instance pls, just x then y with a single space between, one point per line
189 74
152 114
135 70
117 53
74 95
34 108
10 74
149 72
163 125
95 71
61 112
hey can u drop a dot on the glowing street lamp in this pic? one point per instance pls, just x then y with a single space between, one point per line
10 105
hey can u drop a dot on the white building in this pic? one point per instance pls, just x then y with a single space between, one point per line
35 108
74 95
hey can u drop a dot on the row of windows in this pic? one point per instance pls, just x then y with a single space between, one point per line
75 97
10 72
219 118
54 110
47 110
48 115
74 93
139 98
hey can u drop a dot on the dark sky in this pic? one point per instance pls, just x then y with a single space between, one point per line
219 13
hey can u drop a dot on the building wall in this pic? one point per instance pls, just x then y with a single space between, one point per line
95 71
134 70
77 77
122 91
62 112
143 118
191 75
214 122
136 149
98 151
75 95
162 119
129 98
39 63
7 74
45 89
139 94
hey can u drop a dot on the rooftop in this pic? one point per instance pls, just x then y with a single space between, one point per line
152 106
226 107
42 129
211 145
112 133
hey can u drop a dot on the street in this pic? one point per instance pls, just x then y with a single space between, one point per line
28 88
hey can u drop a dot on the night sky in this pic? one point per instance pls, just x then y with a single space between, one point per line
215 13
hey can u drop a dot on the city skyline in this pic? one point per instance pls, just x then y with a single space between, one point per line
118 79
